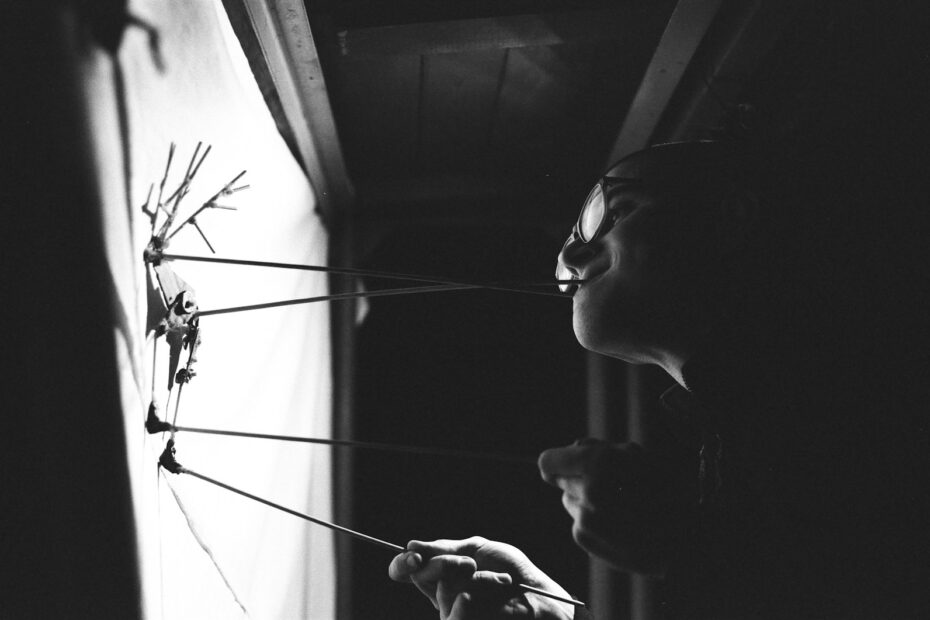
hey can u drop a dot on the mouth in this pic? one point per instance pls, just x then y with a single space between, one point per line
586 281
589 277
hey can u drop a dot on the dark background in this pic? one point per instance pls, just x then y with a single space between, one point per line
489 371
846 83
842 90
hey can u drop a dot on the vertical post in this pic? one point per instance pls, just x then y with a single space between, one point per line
620 402
343 330
609 590
643 390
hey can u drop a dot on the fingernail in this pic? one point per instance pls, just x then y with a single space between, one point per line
412 560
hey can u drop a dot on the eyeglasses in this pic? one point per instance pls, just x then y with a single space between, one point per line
593 221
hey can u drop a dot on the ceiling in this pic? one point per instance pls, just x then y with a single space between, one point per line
463 115
492 112
438 134
437 112
432 112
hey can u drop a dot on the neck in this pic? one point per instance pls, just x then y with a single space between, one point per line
672 358
673 365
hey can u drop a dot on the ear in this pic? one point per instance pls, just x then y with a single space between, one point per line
736 220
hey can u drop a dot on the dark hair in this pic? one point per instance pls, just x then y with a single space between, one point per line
786 285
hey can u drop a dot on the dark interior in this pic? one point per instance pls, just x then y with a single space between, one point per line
469 133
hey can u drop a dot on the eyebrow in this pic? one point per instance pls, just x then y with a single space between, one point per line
635 192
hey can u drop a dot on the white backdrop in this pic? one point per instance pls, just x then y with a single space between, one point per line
266 371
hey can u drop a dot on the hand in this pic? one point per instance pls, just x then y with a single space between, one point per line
628 506
472 579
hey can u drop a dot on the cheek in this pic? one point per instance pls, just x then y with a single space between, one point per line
663 259
585 328
604 313
587 319
655 265
621 312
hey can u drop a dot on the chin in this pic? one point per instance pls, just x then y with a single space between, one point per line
584 340
589 336
598 335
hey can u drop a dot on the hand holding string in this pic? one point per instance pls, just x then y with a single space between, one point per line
628 504
474 578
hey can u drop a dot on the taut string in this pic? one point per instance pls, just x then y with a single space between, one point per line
337 297
168 461
154 425
516 287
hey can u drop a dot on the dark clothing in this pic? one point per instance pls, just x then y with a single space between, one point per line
812 494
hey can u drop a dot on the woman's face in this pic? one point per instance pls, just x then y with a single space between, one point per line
641 295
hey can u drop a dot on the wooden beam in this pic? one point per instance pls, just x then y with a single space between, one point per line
283 31
684 32
723 71
505 32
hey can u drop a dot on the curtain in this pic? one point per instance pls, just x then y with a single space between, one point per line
205 552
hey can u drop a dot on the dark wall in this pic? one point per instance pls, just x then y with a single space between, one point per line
487 371
67 541
844 90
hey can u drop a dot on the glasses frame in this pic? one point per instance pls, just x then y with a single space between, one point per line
603 184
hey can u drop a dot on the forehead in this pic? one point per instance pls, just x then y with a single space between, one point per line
679 164
618 191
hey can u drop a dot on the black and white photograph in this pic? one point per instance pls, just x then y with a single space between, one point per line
465 310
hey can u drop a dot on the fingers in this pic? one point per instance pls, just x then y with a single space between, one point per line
485 590
449 571
635 548
467 546
573 460
591 473
409 562
445 568
586 457
444 578
489 554
403 565
626 505
574 500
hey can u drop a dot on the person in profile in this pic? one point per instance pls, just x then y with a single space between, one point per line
792 480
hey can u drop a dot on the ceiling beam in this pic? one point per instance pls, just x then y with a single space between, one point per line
720 75
504 32
684 32
283 32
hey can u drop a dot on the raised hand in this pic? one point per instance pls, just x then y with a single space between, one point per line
628 506
472 579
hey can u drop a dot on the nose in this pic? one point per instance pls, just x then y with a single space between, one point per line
574 255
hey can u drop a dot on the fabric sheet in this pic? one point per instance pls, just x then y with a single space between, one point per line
205 552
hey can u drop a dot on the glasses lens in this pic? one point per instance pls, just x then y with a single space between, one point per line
592 214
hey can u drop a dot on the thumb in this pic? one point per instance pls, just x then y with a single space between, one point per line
487 594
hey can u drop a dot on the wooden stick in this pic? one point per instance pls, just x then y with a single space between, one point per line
332 526
563 599
309 300
505 286
353 533
154 425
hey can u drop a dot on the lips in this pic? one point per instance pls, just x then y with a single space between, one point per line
589 280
